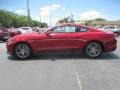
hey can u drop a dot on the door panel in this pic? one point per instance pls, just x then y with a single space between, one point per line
55 41
64 38
78 39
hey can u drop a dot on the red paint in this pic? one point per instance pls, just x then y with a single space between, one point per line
67 41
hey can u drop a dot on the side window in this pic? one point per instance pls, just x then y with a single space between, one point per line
84 30
64 29
70 29
59 30
81 29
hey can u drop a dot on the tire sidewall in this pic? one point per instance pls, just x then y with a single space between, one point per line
86 53
30 50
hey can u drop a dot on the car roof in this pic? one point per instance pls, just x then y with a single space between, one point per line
70 24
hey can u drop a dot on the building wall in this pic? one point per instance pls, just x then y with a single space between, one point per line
105 23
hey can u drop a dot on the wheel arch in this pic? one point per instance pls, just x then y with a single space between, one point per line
100 42
25 43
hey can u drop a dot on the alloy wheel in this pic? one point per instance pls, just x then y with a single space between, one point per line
22 50
93 49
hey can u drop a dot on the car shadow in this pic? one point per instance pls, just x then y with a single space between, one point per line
53 57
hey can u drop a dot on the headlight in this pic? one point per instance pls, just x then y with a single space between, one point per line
10 41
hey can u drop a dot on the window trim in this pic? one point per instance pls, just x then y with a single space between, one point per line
87 29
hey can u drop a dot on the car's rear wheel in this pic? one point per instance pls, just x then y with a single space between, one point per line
22 50
93 49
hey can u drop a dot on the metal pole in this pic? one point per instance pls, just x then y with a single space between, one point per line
50 18
28 11
40 19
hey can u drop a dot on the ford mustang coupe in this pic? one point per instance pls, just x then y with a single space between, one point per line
63 38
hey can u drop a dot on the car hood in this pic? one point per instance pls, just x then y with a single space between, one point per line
28 36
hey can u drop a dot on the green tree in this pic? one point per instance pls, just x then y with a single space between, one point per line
22 21
10 19
43 25
35 23
6 19
99 19
0 25
88 22
64 20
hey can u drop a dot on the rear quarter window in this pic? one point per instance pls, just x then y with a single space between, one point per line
81 29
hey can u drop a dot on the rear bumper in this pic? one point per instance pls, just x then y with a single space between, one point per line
111 48
110 45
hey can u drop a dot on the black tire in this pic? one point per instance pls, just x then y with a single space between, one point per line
22 51
93 49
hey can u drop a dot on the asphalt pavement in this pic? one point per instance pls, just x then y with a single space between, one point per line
60 72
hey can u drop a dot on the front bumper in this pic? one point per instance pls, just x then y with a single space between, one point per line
10 48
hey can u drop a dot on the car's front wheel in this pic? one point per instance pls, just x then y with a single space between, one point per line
93 49
22 50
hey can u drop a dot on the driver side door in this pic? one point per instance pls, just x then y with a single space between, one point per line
57 40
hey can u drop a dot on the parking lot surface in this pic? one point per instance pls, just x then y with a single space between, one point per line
60 72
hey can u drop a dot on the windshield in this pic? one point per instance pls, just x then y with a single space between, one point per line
48 29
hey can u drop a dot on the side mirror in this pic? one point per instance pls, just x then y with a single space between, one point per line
48 33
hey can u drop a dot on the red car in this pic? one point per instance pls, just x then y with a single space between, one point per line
14 32
4 34
63 38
